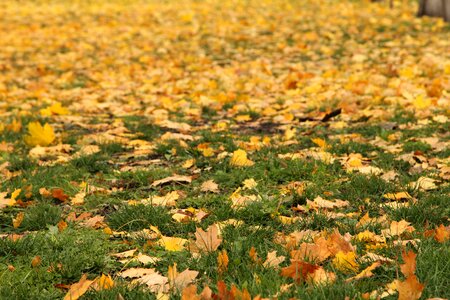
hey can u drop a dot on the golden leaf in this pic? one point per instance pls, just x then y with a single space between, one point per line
78 289
346 262
172 243
18 220
239 159
39 135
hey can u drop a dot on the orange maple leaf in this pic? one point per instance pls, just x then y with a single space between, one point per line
409 267
60 195
410 289
78 289
299 270
222 261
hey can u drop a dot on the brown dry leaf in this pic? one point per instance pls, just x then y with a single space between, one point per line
136 272
222 262
94 222
273 260
59 194
128 253
372 257
397 228
210 186
145 259
154 281
424 183
179 281
410 289
62 225
78 289
409 267
167 200
319 202
36 261
208 240
175 178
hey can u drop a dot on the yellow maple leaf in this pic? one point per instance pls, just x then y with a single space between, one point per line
55 109
39 135
421 103
346 262
172 243
239 159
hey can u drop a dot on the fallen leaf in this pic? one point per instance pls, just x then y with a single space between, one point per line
367 272
167 200
179 281
62 225
398 196
316 252
136 272
249 184
59 194
222 262
409 267
172 243
410 289
18 220
154 281
424 183
210 186
175 178
78 289
273 260
208 240
239 159
397 228
442 234
299 270
128 253
78 199
36 261
346 262
39 135
321 277
104 282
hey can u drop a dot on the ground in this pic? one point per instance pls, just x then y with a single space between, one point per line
246 149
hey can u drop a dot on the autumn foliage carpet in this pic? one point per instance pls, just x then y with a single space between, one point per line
223 150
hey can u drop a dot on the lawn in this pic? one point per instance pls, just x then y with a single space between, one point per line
206 149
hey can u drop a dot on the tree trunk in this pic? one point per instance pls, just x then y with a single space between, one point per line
435 8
